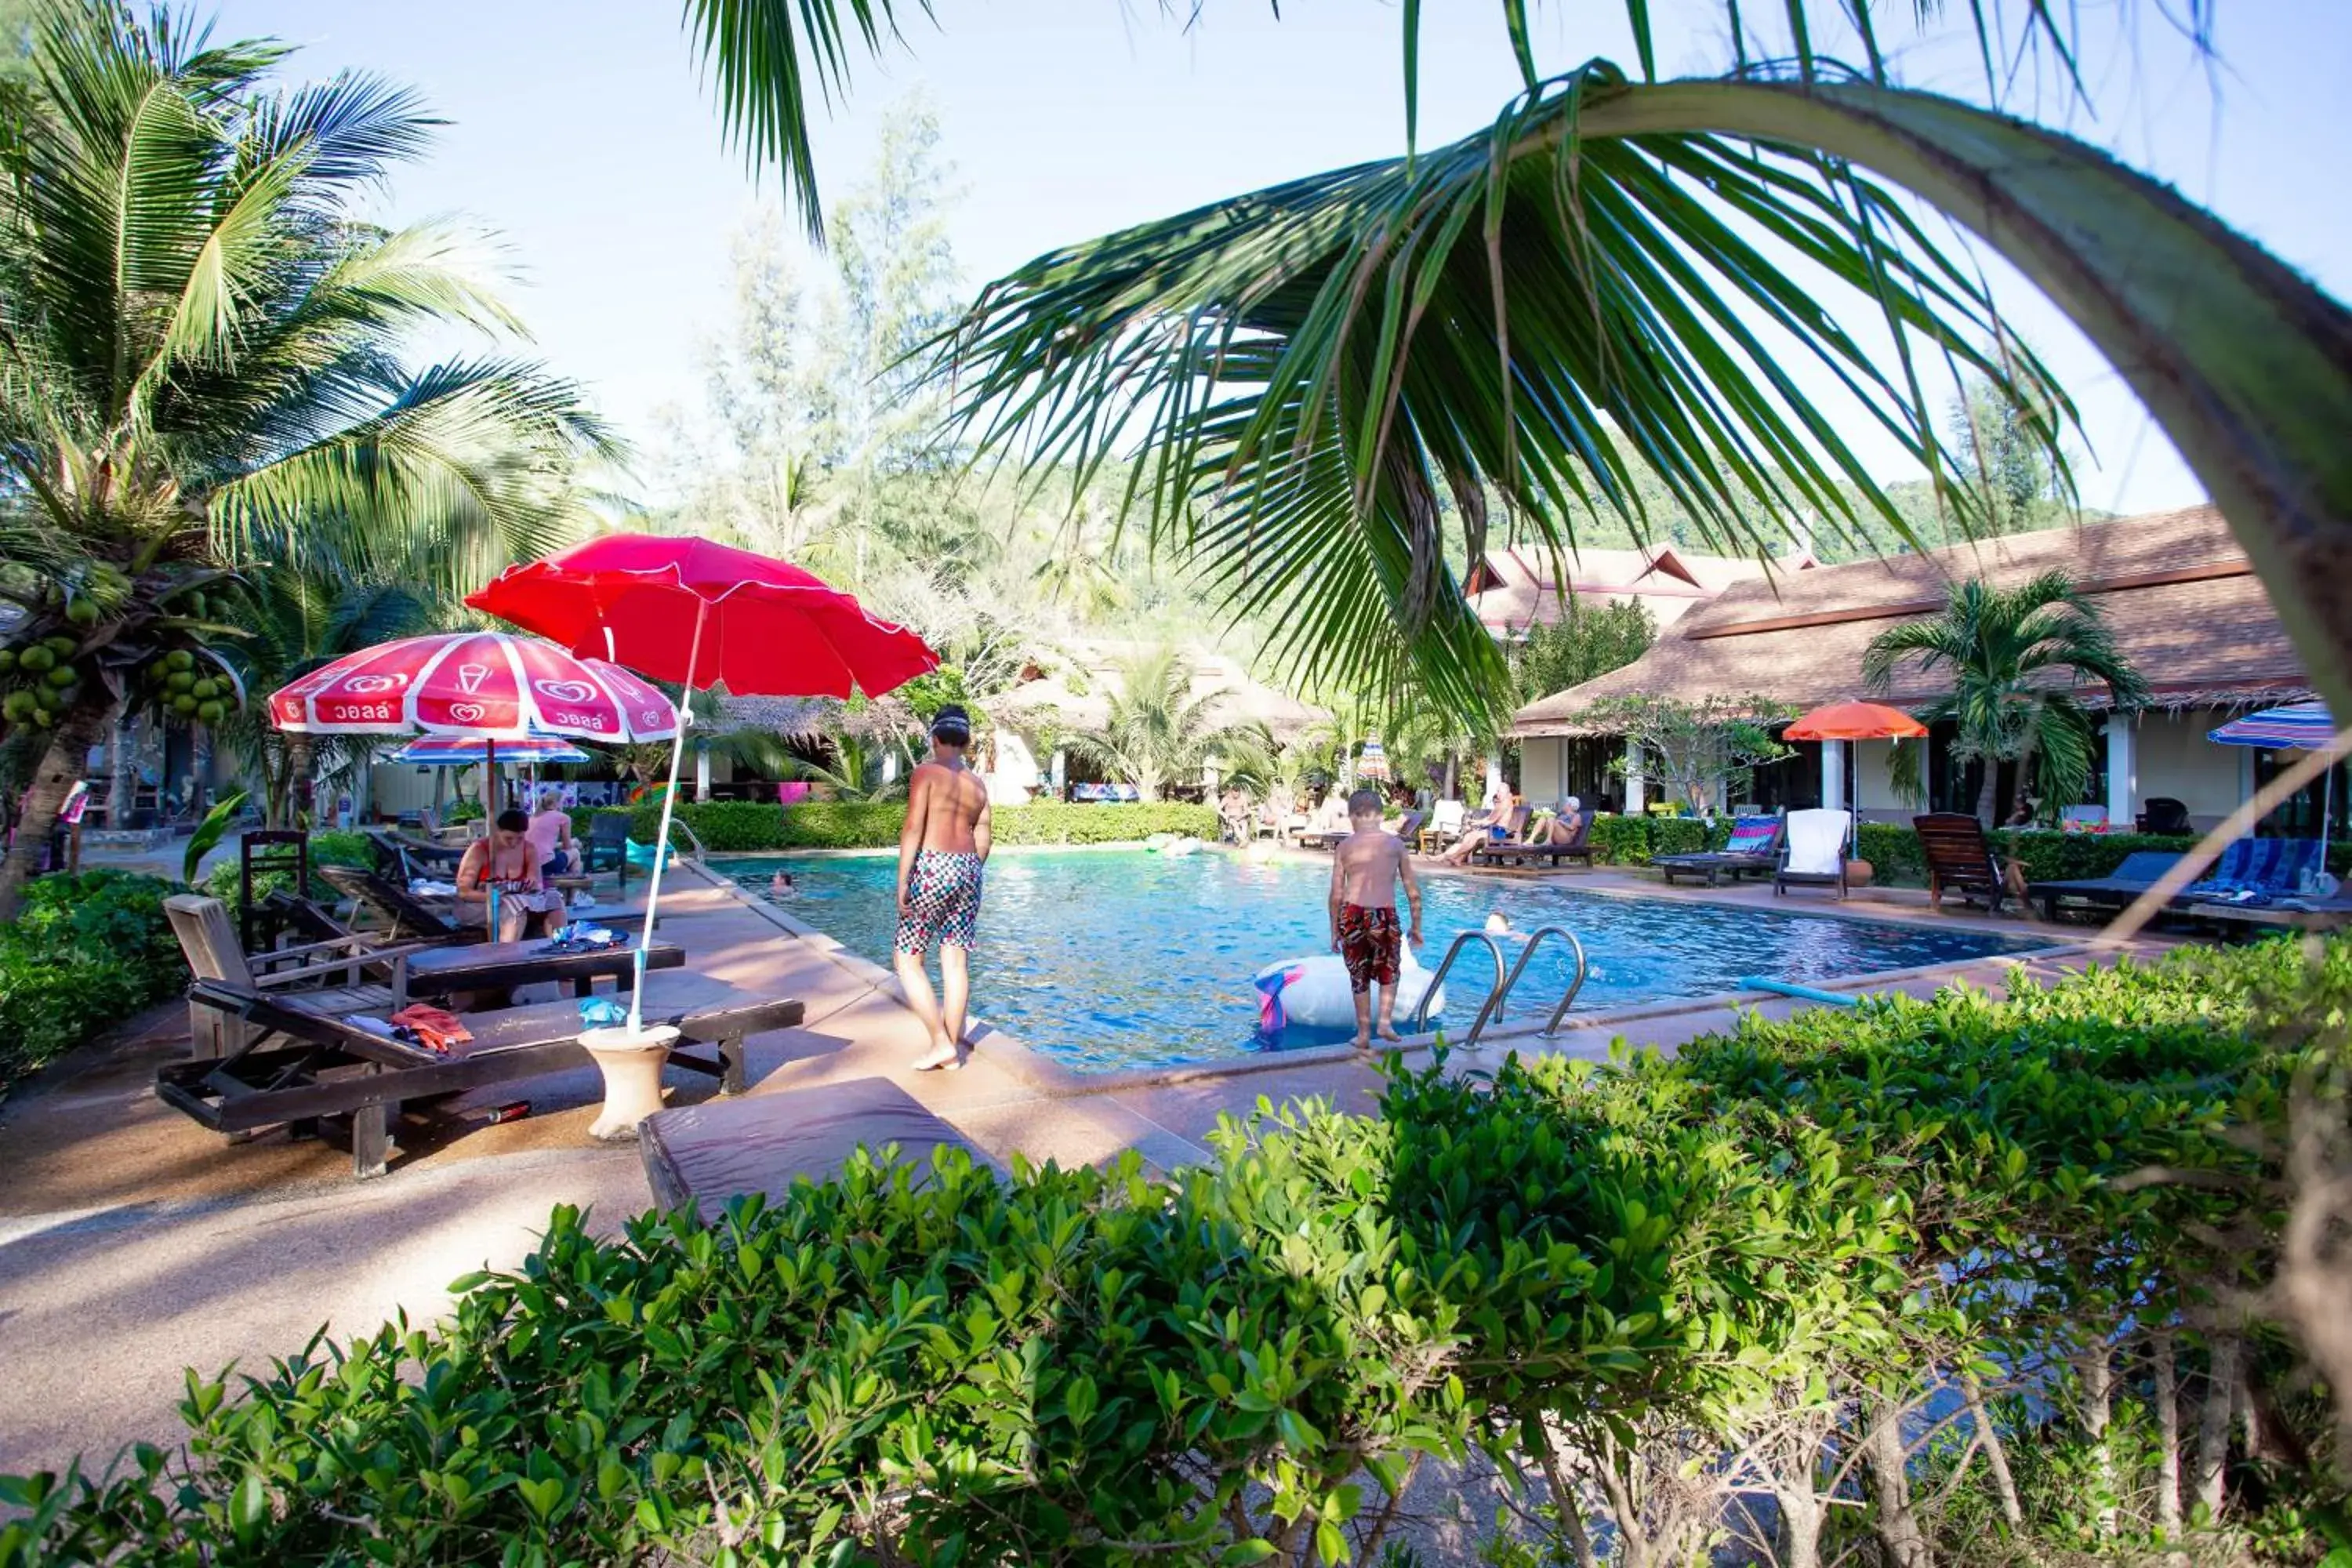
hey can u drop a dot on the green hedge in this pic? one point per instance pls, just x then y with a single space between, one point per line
1671 1262
741 826
86 952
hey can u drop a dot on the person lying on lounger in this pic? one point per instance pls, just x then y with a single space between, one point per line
1491 825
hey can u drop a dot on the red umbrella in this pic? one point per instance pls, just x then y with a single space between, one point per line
1856 721
691 611
489 686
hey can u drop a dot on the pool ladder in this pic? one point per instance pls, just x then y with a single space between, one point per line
1505 978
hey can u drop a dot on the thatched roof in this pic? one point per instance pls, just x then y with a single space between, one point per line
2174 587
1514 589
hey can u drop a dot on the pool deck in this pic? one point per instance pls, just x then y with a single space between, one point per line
133 1243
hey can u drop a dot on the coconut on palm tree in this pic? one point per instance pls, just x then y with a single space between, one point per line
200 347
2018 661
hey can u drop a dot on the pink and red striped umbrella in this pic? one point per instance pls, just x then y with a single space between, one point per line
492 686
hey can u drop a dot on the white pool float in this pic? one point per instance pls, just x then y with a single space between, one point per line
1182 846
1314 991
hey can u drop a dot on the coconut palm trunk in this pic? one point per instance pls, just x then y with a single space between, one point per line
79 729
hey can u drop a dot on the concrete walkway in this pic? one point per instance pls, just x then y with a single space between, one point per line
133 1243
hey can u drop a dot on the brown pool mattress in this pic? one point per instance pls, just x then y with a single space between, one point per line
707 1153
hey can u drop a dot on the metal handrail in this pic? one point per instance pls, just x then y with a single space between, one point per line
1420 1013
1502 991
693 841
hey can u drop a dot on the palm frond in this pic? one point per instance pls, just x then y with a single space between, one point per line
1528 310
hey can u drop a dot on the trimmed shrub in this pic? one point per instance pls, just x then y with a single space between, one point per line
86 952
736 827
1647 1265
1679 835
1894 851
1619 840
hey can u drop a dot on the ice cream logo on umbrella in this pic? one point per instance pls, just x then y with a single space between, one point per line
375 685
471 676
465 712
566 691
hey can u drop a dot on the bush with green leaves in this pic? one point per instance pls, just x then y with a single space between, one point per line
739 827
1791 1263
86 950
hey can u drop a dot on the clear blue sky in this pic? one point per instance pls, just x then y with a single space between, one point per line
580 133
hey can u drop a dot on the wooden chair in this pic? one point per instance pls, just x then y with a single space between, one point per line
1960 859
208 939
1813 851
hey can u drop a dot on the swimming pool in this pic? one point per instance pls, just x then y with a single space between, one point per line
1104 960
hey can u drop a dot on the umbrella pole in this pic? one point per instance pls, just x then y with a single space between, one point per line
661 838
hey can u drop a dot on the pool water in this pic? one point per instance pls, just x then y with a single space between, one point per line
1106 959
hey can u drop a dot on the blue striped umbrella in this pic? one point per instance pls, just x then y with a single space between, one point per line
2307 726
464 750
2303 724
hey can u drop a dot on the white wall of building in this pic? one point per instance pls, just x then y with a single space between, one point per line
1014 773
2175 759
1542 765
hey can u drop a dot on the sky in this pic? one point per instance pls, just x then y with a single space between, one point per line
580 133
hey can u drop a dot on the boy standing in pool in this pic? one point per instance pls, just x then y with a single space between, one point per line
941 852
1365 869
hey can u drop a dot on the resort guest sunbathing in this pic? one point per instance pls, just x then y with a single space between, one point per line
1365 869
506 863
941 852
1333 816
1280 807
1559 825
1492 826
1234 814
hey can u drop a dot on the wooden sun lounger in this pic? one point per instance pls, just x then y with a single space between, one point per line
1714 864
502 965
2117 890
1960 859
300 1065
1517 851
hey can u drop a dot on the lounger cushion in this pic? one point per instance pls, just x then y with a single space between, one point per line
2255 868
1752 836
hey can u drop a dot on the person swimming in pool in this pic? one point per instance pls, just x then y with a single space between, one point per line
942 851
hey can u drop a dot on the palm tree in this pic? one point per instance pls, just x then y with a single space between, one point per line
2017 659
1311 368
199 348
293 621
1157 730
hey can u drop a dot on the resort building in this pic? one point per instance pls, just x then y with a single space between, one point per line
1512 590
2175 589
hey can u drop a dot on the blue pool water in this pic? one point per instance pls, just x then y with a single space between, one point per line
1106 959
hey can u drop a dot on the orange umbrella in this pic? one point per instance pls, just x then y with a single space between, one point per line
1855 721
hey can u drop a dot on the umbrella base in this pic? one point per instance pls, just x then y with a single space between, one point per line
632 1062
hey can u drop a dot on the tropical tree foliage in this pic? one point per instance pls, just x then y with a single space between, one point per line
1695 749
1312 367
1157 731
199 352
2017 659
1588 642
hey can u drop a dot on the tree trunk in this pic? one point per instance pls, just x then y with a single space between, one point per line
2097 1379
1986 805
2164 1374
123 769
299 763
1565 1502
79 729
1996 1452
1905 1543
2213 1424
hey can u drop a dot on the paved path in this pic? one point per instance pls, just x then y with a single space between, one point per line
133 1243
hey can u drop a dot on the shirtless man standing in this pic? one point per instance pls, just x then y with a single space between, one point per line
1365 869
941 852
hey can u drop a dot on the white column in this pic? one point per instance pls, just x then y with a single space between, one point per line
2123 770
891 765
1634 802
702 773
1833 774
1061 769
1494 772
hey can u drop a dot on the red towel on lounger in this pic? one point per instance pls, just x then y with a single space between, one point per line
435 1029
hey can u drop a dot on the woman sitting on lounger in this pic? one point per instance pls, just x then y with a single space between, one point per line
1561 825
507 862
